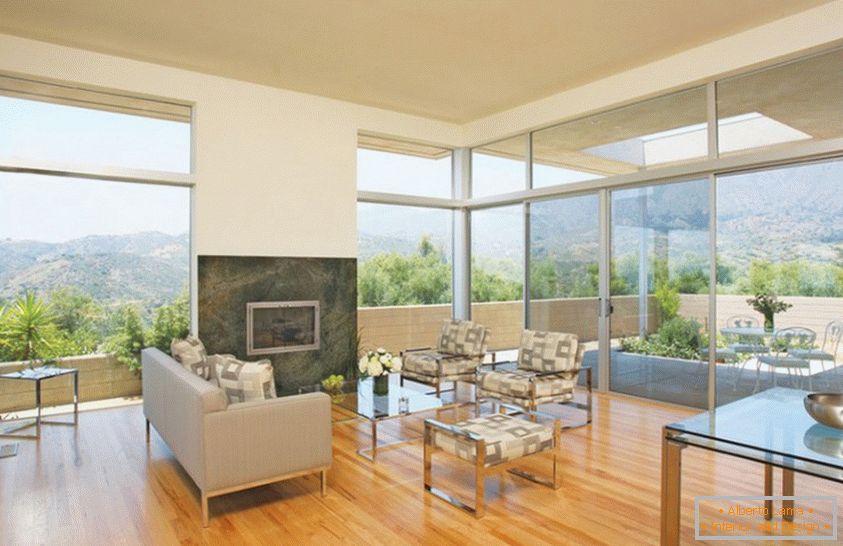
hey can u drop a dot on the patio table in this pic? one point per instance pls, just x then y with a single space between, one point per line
747 331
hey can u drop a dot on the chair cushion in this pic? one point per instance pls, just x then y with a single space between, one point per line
246 381
784 361
507 439
428 363
190 353
462 337
516 383
753 348
549 352
811 354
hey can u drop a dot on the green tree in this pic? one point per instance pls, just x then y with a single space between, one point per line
170 321
79 319
487 286
544 280
394 279
27 328
128 338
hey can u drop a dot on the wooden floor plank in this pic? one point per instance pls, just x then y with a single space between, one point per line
100 483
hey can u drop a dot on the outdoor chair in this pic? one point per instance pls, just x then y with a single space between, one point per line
828 350
784 343
460 349
548 367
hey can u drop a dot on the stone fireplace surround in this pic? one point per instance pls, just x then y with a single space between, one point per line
227 283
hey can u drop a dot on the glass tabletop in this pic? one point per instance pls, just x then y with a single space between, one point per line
359 397
747 331
33 374
773 422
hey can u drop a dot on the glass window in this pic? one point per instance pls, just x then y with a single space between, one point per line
564 258
802 100
779 233
497 273
397 167
663 131
659 282
403 274
499 167
86 137
99 255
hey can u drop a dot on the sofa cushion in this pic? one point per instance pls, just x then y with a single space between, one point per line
245 381
190 353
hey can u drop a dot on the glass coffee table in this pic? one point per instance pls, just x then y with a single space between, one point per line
771 428
358 400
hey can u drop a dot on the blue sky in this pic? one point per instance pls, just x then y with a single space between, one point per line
58 209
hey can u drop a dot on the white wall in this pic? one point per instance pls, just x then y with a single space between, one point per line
275 170
815 28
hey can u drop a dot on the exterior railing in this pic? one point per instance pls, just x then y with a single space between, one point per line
402 327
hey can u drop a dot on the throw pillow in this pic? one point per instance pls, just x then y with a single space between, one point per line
245 381
190 353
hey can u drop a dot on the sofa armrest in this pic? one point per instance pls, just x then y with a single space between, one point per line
267 439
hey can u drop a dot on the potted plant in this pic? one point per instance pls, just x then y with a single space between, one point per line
768 304
378 364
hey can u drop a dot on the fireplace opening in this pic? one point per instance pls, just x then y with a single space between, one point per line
281 327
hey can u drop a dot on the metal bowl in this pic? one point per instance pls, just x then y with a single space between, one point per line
826 408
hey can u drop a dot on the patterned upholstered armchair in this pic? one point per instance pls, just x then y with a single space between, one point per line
459 351
548 367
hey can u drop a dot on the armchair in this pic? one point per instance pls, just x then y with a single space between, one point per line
548 367
459 351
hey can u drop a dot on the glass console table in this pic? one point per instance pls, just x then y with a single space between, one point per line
358 400
771 427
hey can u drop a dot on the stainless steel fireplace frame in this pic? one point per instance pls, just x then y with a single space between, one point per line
250 341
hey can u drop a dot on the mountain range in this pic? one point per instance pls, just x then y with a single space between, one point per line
149 267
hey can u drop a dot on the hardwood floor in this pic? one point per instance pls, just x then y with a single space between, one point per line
100 483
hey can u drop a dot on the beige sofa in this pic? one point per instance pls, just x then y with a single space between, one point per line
230 447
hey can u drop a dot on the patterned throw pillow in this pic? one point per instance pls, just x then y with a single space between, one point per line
190 353
245 381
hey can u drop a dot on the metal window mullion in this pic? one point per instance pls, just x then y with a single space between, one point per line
604 340
712 292
711 117
528 164
526 289
461 236
713 153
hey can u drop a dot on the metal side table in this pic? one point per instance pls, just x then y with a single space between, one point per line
38 375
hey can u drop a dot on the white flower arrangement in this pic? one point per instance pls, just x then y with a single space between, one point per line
378 362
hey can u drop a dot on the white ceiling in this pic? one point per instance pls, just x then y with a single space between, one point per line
454 60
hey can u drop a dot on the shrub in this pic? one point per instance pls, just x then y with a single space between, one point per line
677 338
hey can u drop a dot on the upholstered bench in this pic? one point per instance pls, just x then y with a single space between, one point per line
490 443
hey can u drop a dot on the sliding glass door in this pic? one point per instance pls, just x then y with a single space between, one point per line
659 283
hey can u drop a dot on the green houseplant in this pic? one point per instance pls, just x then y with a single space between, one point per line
768 304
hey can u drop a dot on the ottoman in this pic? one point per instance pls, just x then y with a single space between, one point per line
490 443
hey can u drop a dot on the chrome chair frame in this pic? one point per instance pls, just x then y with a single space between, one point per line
480 469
